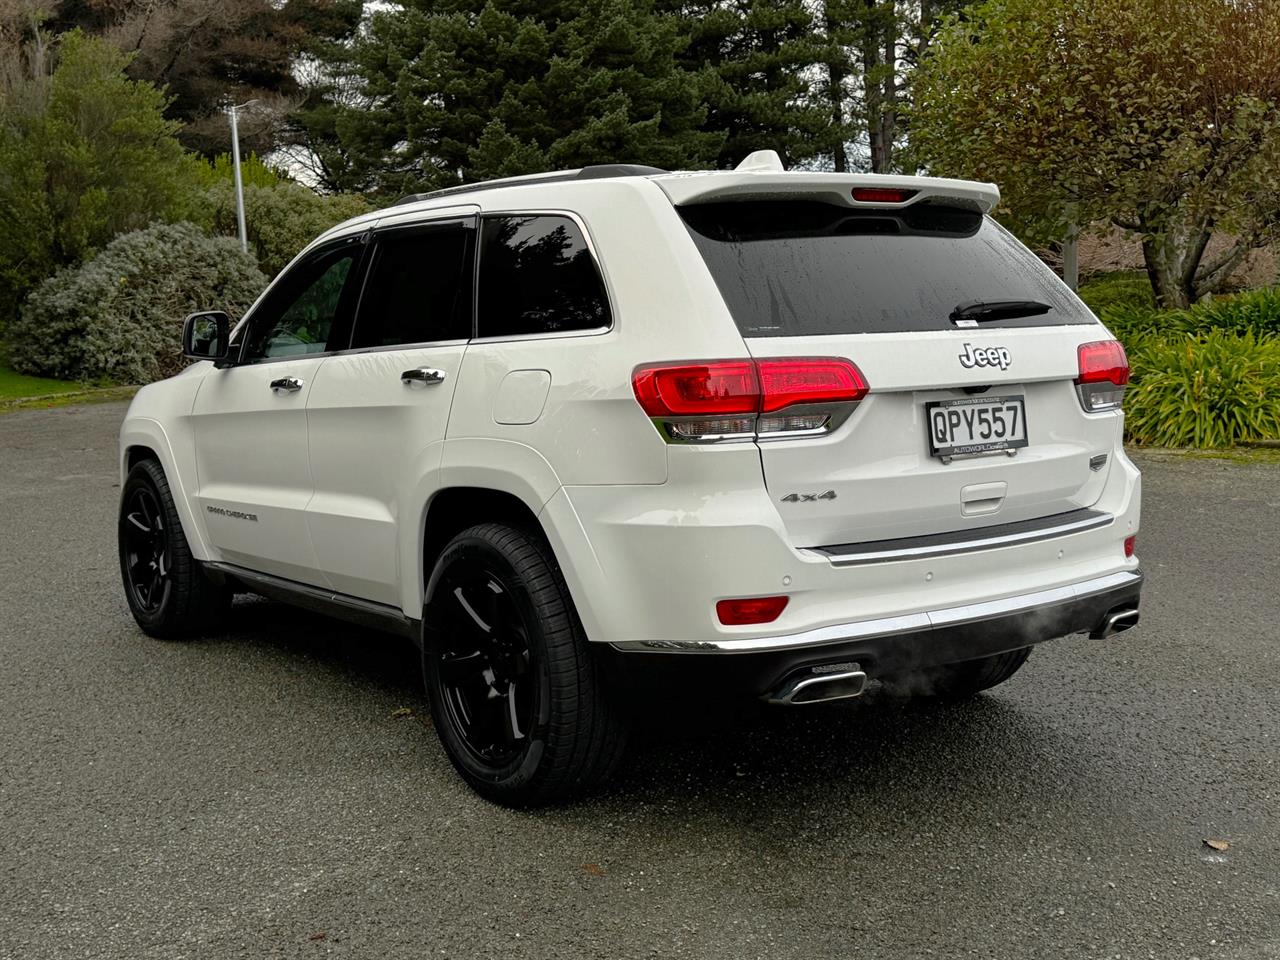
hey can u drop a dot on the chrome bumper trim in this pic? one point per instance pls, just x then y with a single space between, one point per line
890 626
854 554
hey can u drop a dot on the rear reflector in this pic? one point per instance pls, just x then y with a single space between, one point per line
882 195
736 613
1129 544
1104 371
742 399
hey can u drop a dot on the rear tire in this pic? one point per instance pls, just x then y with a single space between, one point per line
959 681
168 593
518 699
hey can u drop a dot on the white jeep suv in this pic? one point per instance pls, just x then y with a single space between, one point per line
775 432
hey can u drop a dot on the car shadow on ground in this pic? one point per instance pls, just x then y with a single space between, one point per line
754 758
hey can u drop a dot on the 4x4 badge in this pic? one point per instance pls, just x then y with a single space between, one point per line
985 357
808 497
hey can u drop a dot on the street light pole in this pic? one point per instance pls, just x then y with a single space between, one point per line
235 169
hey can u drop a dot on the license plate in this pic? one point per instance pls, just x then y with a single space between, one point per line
975 426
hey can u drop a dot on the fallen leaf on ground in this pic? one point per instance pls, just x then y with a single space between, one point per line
1219 845
399 712
595 869
318 936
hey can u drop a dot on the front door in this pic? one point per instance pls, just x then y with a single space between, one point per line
250 418
378 412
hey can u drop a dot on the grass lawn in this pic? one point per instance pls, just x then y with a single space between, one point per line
15 386
20 392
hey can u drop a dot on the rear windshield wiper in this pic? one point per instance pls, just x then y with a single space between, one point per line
983 311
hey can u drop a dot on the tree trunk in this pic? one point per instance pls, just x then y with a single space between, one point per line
872 90
889 88
836 74
1166 269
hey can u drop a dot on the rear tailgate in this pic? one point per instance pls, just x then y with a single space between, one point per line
878 284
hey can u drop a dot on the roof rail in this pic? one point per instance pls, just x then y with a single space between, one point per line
596 172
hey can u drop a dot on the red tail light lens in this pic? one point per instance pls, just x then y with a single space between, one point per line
1129 544
785 383
1104 371
744 399
736 613
882 195
698 389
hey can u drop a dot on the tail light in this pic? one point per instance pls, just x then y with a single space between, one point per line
720 400
1129 544
736 613
1104 371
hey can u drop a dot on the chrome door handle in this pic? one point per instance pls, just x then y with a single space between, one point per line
425 375
287 384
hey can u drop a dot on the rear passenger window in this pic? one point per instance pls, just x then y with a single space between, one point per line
418 289
537 276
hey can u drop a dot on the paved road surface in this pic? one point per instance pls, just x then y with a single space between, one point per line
259 795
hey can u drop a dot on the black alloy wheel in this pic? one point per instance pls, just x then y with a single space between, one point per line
488 679
518 697
167 590
145 545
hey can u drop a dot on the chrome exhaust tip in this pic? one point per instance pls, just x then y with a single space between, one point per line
1117 621
822 684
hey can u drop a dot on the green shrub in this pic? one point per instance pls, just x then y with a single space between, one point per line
118 317
1257 311
280 220
1213 391
254 172
1127 288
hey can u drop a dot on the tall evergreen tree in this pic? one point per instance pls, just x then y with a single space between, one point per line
453 91
758 59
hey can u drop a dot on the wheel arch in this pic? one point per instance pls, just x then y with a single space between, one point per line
144 438
453 508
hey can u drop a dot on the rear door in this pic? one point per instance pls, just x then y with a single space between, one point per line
969 422
377 412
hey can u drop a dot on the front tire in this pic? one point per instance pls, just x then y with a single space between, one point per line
959 681
168 593
516 695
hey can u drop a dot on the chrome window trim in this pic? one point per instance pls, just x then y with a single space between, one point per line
609 294
890 626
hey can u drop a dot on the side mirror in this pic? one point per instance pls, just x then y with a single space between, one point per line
206 336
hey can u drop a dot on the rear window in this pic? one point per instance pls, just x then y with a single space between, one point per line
537 276
794 268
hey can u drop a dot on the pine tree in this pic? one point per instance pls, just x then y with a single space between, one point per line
454 91
759 63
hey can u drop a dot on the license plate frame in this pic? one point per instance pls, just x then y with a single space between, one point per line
981 447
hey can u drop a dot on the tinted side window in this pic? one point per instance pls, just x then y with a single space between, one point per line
537 276
418 289
305 309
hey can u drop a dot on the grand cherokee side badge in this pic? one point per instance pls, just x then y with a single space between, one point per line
808 497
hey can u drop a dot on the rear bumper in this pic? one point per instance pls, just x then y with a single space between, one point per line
1030 618
889 647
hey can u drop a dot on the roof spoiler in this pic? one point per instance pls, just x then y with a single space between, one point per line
762 183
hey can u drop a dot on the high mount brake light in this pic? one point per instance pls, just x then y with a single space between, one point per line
882 195
1103 373
720 400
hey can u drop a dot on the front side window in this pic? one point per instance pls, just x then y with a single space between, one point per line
302 314
537 276
419 287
